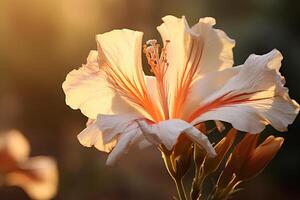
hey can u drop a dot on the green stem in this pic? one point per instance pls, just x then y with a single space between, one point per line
225 193
172 173
197 185
180 189
195 190
230 188
168 164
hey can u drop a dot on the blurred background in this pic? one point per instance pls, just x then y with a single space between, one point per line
41 41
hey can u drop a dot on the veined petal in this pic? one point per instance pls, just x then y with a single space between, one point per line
214 45
206 86
167 133
154 94
38 177
113 125
113 134
121 50
120 58
125 140
15 145
92 136
253 98
217 48
88 90
123 130
192 52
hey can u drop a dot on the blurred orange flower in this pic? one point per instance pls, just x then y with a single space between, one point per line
38 176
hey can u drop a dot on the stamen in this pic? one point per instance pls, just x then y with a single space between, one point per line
157 59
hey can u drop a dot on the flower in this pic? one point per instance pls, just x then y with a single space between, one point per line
38 175
193 82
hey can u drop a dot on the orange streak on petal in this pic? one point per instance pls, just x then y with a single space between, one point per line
223 101
130 90
187 77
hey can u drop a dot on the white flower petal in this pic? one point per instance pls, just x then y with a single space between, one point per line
92 136
206 86
176 30
121 49
151 134
113 125
15 144
216 46
38 177
217 49
123 131
88 90
201 139
144 144
113 134
191 53
125 140
167 133
120 57
253 98
151 84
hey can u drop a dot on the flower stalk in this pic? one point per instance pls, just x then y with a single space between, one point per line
177 177
197 185
180 189
225 193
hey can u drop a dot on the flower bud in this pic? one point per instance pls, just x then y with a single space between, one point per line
260 157
247 161
211 164
237 158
